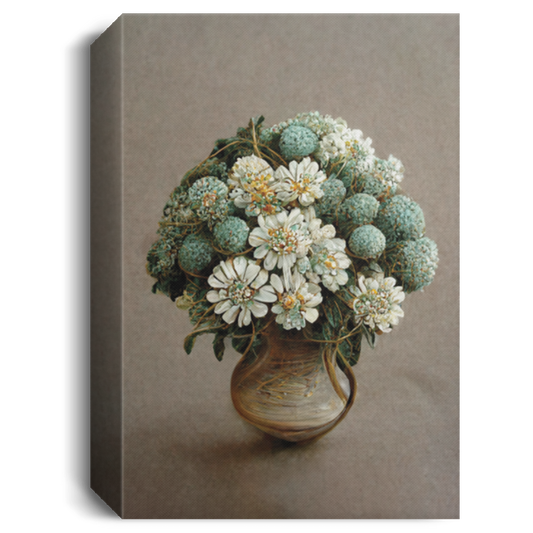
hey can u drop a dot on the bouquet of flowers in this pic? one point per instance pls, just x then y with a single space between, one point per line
300 225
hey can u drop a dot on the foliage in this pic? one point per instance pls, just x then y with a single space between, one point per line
317 228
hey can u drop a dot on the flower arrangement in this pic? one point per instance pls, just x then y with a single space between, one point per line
299 224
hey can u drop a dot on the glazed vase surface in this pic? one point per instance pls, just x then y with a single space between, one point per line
293 389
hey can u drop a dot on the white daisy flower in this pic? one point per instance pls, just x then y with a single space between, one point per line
330 265
377 302
325 237
297 300
240 290
300 181
254 187
280 240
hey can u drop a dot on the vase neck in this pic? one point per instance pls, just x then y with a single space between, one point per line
275 331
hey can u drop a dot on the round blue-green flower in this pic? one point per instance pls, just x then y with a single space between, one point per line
373 185
160 258
297 141
232 234
163 253
414 263
367 242
349 173
208 198
400 219
358 210
334 192
232 209
267 135
195 254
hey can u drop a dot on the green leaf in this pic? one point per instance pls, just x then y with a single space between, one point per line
336 313
198 314
351 349
218 344
258 120
222 143
370 336
219 143
188 344
243 133
333 314
240 344
190 339
329 314
327 332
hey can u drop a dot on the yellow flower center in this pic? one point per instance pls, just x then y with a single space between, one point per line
288 302
283 241
301 186
209 199
331 262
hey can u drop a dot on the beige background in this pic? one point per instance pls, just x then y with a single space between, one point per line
190 79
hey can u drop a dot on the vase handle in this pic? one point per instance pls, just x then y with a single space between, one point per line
338 389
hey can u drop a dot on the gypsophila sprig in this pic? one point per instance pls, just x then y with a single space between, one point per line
299 224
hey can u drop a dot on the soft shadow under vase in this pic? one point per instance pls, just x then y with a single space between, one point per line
293 389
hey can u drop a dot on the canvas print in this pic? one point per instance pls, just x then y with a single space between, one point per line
276 332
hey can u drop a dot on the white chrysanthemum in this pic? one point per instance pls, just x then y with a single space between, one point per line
240 290
331 266
327 262
254 187
347 142
297 300
377 302
300 181
280 240
330 146
324 237
326 233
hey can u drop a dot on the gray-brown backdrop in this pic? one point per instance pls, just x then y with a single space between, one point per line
191 79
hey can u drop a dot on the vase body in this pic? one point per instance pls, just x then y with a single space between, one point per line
293 389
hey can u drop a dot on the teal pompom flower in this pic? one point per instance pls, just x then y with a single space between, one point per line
367 242
414 263
232 234
334 192
297 141
195 254
208 199
400 219
358 210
